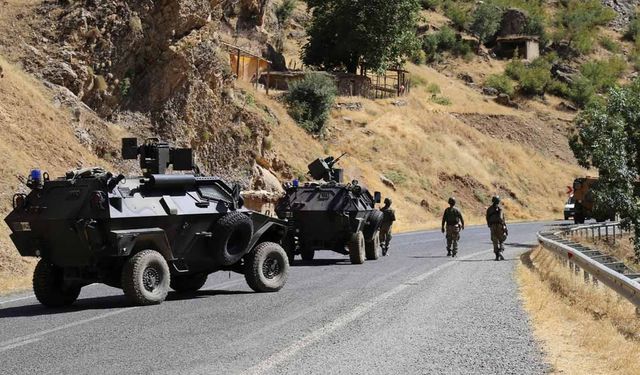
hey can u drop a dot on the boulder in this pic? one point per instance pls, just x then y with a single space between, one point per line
505 100
513 22
278 62
490 91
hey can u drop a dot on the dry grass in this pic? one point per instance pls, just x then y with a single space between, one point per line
422 141
622 248
34 133
584 329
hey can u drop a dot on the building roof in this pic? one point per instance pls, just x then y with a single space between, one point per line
518 38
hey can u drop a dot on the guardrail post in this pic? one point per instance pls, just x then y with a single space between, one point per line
576 268
586 277
599 233
571 266
606 232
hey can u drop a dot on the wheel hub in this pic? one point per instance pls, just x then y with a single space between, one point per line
150 279
271 268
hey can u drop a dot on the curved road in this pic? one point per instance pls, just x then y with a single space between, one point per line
413 312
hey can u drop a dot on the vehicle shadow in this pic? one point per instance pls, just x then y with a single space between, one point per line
104 303
321 262
429 256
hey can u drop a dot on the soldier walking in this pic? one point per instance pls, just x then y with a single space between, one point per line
498 226
388 217
452 224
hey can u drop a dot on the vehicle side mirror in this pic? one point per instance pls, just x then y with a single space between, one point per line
377 197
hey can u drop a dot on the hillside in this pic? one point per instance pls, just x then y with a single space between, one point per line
64 103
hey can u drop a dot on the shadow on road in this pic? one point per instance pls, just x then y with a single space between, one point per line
321 262
104 303
429 256
520 245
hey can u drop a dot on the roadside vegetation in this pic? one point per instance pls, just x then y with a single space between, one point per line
584 329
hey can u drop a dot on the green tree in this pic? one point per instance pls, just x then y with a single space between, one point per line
346 33
608 139
486 21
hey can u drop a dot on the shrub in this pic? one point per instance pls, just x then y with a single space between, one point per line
441 100
558 88
610 44
419 57
445 40
433 88
604 74
310 101
460 16
514 69
285 10
582 91
502 83
535 77
633 30
578 20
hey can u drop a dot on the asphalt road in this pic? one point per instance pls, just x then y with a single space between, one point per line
413 312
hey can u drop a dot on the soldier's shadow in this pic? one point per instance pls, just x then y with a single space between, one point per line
429 256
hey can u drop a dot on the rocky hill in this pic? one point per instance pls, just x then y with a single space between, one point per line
79 75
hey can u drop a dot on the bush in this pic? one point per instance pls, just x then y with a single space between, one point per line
558 88
633 30
419 57
514 69
285 10
310 101
460 16
604 74
445 40
582 91
578 20
502 83
533 78
441 100
610 44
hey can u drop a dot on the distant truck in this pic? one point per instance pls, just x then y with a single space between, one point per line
585 204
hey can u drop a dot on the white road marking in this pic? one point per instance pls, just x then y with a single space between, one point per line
347 318
2 303
37 336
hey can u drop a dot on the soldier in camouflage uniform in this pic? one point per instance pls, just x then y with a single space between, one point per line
498 226
388 217
452 224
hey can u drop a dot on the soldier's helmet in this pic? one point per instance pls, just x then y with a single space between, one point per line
452 201
495 200
387 201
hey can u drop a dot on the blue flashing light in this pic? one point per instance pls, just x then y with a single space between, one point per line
296 183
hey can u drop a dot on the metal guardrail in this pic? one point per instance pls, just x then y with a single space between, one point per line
602 267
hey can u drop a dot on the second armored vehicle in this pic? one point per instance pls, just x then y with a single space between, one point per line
330 215
142 234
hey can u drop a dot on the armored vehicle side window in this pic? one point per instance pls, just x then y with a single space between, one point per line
213 193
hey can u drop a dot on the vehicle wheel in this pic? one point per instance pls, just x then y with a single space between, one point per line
307 254
146 278
566 217
578 219
373 224
49 286
357 248
372 248
267 268
188 283
231 236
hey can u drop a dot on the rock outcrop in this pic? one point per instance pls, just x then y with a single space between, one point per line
161 59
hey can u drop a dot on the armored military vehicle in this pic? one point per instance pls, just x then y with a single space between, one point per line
331 215
142 234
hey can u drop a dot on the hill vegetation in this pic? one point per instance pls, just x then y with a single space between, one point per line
79 75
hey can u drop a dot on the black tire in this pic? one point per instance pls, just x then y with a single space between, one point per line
373 224
267 268
188 283
566 217
231 236
146 278
357 248
49 286
578 219
373 248
307 254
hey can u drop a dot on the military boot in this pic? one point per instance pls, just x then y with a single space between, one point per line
500 257
448 252
497 256
454 253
